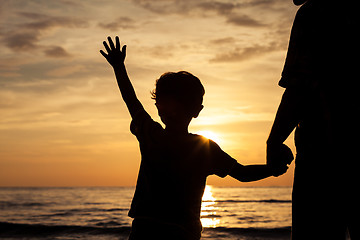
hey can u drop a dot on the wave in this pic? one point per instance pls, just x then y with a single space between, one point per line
8 204
11 204
252 233
250 201
112 228
81 211
38 230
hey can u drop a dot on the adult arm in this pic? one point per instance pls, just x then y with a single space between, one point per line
287 118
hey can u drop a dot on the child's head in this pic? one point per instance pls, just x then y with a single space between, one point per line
299 2
178 95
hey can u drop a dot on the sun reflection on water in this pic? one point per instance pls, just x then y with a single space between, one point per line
209 217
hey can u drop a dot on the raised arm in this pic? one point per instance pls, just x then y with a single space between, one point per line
116 57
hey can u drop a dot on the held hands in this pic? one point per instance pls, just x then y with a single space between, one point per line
114 55
278 156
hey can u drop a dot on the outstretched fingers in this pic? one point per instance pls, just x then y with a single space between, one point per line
104 54
117 42
124 50
114 54
106 47
112 46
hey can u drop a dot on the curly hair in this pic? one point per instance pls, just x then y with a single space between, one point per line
182 86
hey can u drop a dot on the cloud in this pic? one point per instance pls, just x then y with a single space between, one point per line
119 23
163 6
42 21
184 7
218 7
27 35
241 54
231 11
21 41
57 52
225 40
243 20
65 71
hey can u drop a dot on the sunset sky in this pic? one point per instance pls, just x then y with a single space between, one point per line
63 122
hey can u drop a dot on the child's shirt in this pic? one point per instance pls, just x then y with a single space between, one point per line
173 173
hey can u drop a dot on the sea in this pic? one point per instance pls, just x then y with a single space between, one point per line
245 213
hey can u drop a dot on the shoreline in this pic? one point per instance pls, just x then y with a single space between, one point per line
32 231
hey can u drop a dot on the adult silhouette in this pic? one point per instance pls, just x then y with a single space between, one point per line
321 102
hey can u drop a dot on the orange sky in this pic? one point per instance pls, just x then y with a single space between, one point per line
63 122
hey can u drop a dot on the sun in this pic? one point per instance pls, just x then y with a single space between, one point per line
209 135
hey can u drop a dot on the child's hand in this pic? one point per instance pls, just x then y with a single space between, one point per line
115 56
278 157
279 170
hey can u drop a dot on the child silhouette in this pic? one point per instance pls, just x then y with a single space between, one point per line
175 163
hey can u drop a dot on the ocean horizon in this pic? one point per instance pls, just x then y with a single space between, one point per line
101 212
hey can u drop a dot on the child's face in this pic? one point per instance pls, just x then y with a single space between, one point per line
172 112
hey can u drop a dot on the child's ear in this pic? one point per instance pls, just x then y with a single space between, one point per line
197 111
